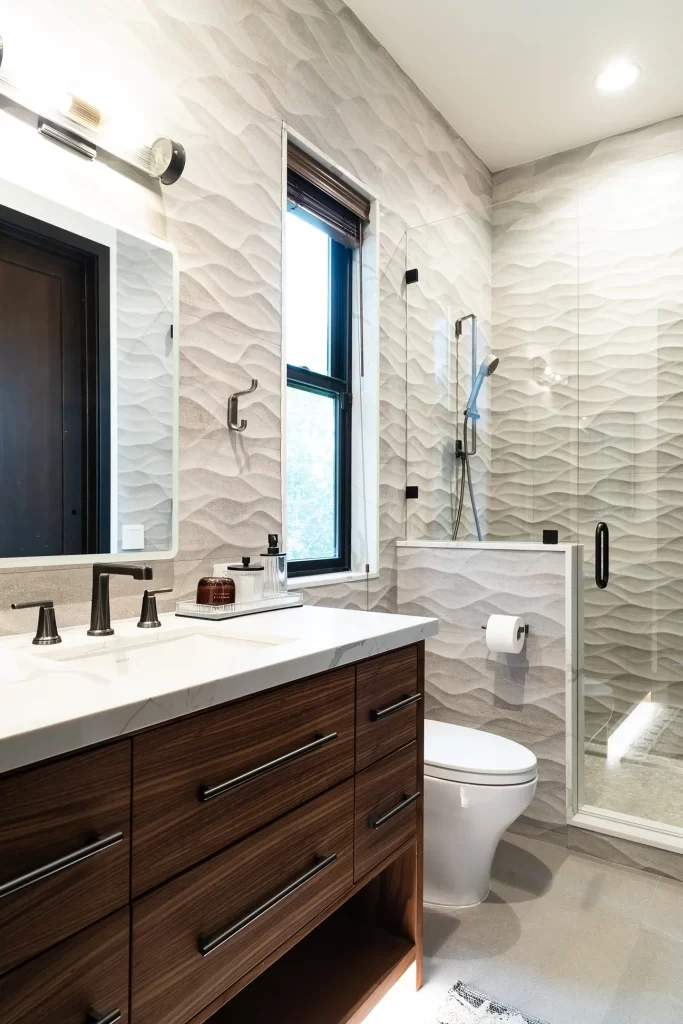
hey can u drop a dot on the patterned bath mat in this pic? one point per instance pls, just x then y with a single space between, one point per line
465 1005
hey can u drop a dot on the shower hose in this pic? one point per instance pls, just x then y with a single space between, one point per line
465 471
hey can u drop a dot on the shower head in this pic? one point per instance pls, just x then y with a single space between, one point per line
488 366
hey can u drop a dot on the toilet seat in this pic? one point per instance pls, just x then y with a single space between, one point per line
459 754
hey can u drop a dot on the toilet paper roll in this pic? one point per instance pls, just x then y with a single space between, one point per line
501 634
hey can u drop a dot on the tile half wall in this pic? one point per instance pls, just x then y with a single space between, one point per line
522 697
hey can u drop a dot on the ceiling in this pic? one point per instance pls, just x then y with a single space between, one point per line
516 78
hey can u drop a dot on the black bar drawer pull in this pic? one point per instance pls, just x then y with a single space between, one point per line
377 820
209 792
601 555
68 861
208 943
404 702
103 1018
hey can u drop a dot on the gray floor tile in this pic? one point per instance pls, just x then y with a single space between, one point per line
650 988
665 913
563 936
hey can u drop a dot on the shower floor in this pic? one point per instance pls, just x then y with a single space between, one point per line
646 778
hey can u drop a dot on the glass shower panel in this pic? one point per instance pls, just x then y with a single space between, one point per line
515 266
533 482
577 284
453 259
630 452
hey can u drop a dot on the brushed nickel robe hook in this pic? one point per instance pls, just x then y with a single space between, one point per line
233 410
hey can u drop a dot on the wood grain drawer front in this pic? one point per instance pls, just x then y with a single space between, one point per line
387 795
80 981
197 935
387 711
64 849
255 760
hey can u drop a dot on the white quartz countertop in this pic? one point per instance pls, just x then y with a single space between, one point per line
87 689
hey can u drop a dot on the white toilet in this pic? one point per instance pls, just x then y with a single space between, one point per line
476 785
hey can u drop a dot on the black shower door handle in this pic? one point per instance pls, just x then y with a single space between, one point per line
601 555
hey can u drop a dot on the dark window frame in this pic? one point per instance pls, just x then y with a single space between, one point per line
338 385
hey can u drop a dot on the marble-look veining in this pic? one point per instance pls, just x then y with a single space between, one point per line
51 704
522 697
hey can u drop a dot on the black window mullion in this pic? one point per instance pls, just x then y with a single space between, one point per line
309 380
338 385
341 310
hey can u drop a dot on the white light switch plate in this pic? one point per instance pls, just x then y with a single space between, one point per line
133 537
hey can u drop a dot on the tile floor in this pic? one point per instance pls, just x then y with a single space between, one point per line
565 937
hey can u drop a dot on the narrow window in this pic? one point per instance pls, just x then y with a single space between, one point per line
324 226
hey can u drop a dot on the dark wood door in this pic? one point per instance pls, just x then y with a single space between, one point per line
48 504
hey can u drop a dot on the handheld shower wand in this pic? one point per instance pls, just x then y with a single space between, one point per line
488 366
463 450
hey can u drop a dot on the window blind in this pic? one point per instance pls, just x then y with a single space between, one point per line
315 189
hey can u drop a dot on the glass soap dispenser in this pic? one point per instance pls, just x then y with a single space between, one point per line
275 565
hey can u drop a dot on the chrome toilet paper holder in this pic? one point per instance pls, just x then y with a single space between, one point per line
522 629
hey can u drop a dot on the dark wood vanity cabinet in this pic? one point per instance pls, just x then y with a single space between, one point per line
200 871
202 783
64 849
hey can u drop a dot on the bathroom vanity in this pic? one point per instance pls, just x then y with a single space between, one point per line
236 847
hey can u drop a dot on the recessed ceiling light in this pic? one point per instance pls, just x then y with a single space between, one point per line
617 76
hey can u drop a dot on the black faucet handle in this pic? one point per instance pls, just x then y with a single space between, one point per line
149 616
46 634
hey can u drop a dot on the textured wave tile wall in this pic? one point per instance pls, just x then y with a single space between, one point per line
588 260
145 395
534 393
623 851
222 77
521 696
348 96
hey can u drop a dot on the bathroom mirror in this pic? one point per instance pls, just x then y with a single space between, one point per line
88 387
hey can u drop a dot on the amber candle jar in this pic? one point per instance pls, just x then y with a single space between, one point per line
216 590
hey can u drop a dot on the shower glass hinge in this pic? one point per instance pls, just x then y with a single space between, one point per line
345 400
412 276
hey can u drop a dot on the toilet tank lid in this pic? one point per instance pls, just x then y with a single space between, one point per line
471 750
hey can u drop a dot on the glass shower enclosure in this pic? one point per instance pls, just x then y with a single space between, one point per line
576 277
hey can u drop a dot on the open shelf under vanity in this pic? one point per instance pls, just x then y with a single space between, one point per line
341 969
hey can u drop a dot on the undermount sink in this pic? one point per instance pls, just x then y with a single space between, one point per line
159 653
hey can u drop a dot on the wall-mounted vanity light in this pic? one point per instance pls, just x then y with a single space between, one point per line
83 133
64 137
166 160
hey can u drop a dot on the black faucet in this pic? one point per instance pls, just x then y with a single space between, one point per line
100 621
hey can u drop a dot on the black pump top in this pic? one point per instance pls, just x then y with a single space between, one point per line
273 548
